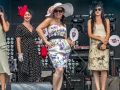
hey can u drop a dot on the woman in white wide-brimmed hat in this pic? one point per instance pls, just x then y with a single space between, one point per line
59 45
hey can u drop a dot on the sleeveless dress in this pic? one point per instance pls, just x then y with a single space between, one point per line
60 52
98 59
4 66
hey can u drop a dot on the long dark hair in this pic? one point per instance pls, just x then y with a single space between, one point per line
63 19
93 17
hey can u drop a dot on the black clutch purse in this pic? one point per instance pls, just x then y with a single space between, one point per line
107 46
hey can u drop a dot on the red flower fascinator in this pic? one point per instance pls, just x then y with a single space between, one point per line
22 10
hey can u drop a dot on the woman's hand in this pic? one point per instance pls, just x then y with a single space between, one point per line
72 43
1 15
103 40
50 44
103 47
106 42
20 57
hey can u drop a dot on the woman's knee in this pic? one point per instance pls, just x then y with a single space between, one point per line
60 70
103 71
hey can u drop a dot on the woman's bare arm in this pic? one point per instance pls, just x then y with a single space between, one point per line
18 41
90 34
107 30
68 40
5 23
41 26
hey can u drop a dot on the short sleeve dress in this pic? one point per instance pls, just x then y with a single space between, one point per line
4 67
59 53
31 65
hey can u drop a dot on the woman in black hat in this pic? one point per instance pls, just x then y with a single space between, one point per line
99 32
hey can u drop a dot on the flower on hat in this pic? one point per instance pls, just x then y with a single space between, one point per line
22 10
50 9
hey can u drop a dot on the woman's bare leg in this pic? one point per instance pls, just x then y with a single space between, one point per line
3 80
103 79
60 83
57 78
96 77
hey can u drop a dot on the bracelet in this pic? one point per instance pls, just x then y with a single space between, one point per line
105 42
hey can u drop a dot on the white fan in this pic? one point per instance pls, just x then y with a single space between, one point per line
74 34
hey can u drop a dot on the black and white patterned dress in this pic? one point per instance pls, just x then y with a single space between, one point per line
31 66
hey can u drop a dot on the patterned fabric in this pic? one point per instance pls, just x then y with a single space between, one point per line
59 53
22 77
98 59
56 30
4 67
31 64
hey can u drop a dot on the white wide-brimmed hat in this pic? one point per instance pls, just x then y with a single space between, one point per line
68 9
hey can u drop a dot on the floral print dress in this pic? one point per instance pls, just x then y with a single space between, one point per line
60 52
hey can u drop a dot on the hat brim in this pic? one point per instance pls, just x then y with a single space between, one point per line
68 10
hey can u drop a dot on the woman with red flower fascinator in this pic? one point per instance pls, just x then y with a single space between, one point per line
30 64
4 67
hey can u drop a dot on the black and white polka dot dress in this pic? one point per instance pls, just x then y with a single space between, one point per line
31 66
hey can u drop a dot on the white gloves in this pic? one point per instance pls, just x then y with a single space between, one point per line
20 57
40 42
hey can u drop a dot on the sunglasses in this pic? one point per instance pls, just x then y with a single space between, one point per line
60 11
98 9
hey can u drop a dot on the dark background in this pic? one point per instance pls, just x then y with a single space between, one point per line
39 7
